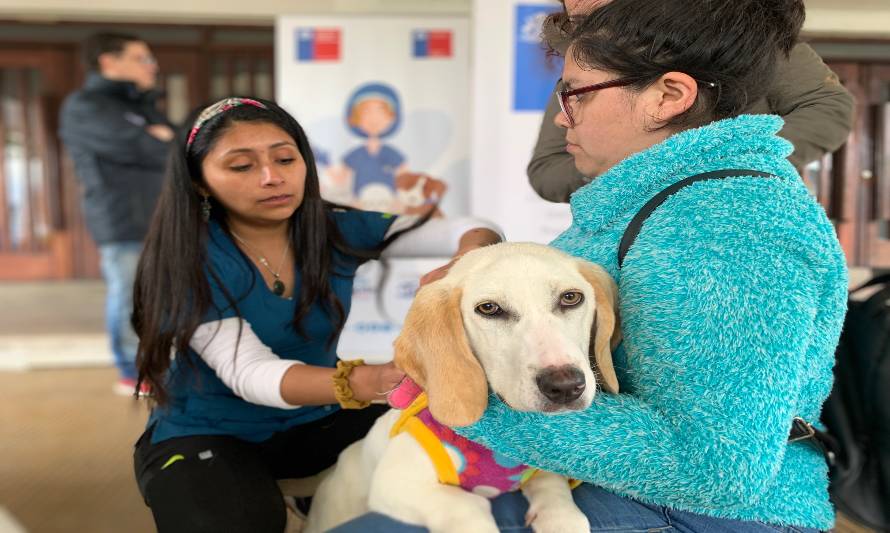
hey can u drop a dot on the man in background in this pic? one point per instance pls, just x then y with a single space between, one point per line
119 141
817 109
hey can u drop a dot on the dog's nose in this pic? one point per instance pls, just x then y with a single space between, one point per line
562 384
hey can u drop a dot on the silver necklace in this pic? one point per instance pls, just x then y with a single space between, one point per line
278 286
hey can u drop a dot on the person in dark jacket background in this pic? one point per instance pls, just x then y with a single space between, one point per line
119 141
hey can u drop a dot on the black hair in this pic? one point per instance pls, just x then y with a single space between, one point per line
105 43
172 291
731 47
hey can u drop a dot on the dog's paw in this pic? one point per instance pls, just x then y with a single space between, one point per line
557 519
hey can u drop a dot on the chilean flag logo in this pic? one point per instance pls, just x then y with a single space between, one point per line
318 44
432 43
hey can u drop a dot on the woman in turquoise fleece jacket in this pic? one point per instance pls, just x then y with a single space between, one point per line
731 299
731 303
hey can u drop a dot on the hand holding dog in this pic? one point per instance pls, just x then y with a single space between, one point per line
372 382
438 273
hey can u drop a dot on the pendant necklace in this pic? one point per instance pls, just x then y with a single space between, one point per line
278 286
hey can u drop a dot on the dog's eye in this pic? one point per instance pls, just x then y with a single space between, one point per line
489 309
571 298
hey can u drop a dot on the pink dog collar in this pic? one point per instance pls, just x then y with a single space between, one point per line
478 469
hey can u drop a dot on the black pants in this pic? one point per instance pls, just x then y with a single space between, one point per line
223 484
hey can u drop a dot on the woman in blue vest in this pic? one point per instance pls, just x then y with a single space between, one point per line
731 297
246 278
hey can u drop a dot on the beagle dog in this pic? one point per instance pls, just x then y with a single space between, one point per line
418 193
523 321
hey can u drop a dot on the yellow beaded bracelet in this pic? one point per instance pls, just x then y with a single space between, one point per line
342 390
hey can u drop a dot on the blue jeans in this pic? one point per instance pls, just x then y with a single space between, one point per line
604 510
118 261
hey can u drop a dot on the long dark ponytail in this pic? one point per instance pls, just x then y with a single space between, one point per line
172 291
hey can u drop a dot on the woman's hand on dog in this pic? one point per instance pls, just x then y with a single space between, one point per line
469 241
438 273
372 382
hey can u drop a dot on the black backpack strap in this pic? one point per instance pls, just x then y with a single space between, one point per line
633 229
801 430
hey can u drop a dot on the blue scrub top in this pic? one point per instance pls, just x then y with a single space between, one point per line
379 168
200 404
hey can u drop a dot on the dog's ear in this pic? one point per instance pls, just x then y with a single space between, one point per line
405 180
607 332
434 351
400 181
434 188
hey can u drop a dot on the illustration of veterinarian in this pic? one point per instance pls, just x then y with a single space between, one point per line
373 112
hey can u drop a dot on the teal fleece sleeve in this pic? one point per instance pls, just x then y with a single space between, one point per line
717 324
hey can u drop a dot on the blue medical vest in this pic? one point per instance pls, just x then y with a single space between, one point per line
200 403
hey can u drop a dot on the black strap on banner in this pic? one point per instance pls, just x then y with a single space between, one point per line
633 229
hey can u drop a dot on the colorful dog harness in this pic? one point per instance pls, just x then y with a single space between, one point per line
458 461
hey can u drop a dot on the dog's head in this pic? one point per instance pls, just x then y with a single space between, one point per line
523 319
417 190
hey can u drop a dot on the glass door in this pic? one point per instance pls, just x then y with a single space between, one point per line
34 243
876 167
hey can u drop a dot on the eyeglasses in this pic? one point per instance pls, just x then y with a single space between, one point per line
146 60
138 58
564 95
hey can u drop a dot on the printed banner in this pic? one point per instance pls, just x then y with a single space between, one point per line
318 44
535 71
385 104
432 43
513 77
381 296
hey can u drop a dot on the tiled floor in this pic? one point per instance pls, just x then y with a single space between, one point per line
52 325
65 438
52 307
66 452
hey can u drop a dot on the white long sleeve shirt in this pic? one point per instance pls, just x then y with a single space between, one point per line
250 368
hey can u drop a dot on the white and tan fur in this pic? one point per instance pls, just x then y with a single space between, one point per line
456 354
